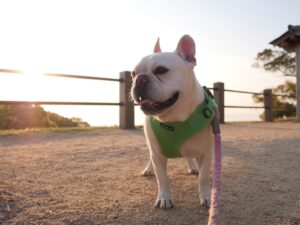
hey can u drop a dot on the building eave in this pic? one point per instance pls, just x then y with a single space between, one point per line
288 40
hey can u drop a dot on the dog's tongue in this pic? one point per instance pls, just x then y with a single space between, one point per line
147 102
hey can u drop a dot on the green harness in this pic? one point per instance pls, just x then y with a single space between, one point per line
172 135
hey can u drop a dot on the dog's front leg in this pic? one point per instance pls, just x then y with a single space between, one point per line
204 163
164 197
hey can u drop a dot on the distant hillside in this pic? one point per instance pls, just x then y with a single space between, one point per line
27 116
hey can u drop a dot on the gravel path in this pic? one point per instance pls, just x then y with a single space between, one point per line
93 177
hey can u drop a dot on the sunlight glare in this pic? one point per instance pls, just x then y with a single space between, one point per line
32 83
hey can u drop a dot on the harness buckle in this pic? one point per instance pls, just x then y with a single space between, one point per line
207 113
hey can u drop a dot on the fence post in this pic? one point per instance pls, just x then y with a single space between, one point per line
219 98
268 105
127 106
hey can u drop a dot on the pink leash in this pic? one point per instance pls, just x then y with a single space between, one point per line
214 206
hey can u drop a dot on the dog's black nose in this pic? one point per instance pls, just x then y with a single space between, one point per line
142 80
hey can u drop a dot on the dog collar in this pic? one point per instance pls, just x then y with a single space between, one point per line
172 135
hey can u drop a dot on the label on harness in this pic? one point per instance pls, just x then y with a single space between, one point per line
170 128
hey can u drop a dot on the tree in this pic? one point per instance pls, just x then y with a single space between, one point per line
276 61
284 99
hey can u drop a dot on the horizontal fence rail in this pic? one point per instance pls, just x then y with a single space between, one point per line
81 77
243 92
65 75
58 103
126 106
243 107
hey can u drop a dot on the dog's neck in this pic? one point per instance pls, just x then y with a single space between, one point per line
187 104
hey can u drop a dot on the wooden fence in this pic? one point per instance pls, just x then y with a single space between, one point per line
126 106
126 117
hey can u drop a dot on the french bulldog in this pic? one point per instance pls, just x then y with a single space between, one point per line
165 87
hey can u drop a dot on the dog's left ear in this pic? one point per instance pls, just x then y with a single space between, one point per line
157 48
186 48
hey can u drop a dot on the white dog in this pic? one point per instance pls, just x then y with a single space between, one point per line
178 114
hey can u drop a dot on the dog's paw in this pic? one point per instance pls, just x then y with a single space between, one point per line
147 172
205 198
193 171
205 203
164 201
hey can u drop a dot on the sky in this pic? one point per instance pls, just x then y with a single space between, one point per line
103 38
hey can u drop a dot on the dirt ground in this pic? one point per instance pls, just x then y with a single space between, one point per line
93 177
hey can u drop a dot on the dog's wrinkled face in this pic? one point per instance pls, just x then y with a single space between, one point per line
157 82
160 80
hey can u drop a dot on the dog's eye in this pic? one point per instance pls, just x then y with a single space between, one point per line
133 74
160 70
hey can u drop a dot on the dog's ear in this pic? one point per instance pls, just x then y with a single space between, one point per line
157 47
186 48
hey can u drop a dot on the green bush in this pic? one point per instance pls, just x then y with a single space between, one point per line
28 116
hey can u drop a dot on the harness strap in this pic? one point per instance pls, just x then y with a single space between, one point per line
172 135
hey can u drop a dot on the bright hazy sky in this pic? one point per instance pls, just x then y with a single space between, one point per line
102 38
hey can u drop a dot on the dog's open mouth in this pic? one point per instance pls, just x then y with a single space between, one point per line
151 107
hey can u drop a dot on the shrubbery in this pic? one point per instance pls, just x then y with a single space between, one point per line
28 116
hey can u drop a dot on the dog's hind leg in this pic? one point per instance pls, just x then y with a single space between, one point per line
192 166
148 171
